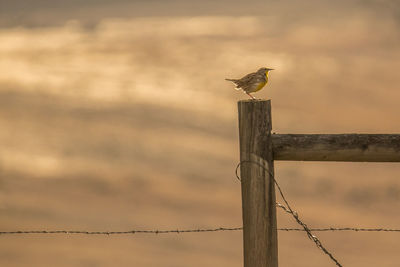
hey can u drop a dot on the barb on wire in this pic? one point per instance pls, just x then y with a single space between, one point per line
288 209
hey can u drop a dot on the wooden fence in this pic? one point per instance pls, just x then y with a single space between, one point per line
260 146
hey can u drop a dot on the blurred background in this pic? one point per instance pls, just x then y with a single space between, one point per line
115 115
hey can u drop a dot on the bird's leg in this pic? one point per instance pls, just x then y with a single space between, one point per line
252 97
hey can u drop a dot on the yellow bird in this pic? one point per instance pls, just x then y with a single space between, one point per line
252 82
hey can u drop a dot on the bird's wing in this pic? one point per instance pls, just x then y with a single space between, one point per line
243 82
251 80
248 77
259 79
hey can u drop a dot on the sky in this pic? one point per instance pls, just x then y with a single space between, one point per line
89 12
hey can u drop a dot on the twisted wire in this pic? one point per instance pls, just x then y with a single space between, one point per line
289 210
177 231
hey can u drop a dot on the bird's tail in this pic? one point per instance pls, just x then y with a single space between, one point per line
235 82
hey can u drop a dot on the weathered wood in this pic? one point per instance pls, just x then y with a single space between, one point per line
337 147
260 242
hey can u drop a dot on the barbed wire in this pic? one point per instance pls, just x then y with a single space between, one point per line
177 231
289 210
333 229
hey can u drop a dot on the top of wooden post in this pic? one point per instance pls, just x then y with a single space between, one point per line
253 100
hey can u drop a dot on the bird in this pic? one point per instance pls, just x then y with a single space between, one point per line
252 82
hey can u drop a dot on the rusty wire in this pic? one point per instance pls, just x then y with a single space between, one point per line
177 231
289 210
336 229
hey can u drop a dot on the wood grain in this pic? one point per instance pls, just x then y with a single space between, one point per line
337 147
258 192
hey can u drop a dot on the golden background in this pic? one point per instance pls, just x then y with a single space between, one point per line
116 116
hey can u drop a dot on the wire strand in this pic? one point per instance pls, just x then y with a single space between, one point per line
289 210
177 231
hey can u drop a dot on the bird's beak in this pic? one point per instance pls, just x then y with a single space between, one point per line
270 69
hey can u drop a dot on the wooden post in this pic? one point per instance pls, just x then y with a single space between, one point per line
260 242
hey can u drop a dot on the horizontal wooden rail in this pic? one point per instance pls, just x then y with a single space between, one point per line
337 147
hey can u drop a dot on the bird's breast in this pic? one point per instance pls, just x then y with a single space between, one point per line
260 86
